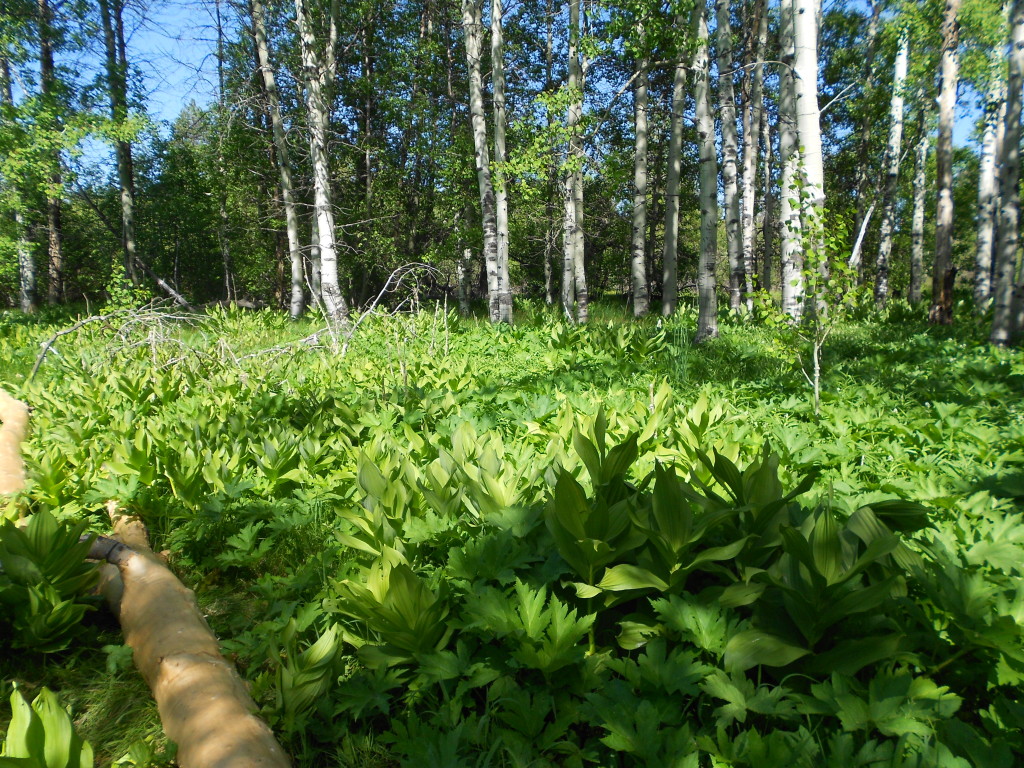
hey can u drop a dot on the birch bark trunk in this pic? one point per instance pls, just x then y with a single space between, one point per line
917 222
707 302
730 153
892 171
1009 287
472 25
318 79
573 269
752 111
501 184
670 250
297 300
790 219
995 110
943 275
805 33
638 266
864 142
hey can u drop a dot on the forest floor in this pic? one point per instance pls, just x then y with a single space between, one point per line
470 518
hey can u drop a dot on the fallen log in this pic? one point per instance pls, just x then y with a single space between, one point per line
14 418
204 706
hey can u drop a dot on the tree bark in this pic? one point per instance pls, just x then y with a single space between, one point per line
638 268
670 251
550 232
812 193
317 77
917 221
752 118
574 261
297 301
1009 287
769 226
48 82
707 302
863 182
892 171
988 194
224 222
501 184
941 311
727 110
117 81
472 25
790 219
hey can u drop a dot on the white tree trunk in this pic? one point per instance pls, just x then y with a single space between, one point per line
917 221
863 182
501 184
284 168
892 170
670 250
805 33
26 264
941 310
988 193
473 27
730 154
574 279
707 301
641 296
317 79
752 113
1009 288
790 220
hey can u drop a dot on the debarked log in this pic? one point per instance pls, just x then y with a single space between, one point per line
13 424
204 706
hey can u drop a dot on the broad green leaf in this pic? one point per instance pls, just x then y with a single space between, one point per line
625 576
753 647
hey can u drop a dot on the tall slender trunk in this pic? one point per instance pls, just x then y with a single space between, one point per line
297 300
550 236
223 128
753 109
117 80
501 183
54 229
573 267
1007 321
638 270
769 226
917 220
727 110
707 301
472 24
26 264
892 170
317 79
943 274
995 110
790 219
812 193
670 251
863 183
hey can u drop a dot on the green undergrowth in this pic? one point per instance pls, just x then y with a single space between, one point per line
444 543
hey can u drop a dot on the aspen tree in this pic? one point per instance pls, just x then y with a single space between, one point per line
988 196
1009 286
318 78
892 170
790 223
753 111
941 310
917 217
707 303
727 110
504 314
26 263
574 279
54 229
297 299
670 250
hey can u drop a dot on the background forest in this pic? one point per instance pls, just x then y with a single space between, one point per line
465 491
542 150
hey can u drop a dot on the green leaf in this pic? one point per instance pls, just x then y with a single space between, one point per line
625 576
753 647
